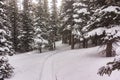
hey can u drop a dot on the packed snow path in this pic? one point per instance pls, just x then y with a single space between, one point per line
28 66
62 64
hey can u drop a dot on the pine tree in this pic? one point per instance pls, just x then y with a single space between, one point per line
104 24
47 24
54 23
40 27
5 45
67 20
27 35
13 15
81 16
110 67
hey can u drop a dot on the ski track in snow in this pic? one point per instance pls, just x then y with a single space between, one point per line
61 64
29 60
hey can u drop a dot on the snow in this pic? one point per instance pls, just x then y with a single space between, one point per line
75 15
115 9
79 4
78 20
61 64
83 10
3 31
76 32
114 30
94 32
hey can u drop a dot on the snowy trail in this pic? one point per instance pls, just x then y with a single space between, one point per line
76 65
29 66
61 64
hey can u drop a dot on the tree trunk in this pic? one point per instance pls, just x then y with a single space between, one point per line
79 44
70 35
64 39
84 43
40 49
109 49
72 41
54 45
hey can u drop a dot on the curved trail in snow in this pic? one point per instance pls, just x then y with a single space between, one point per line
51 55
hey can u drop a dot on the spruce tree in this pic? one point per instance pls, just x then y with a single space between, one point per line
40 27
105 24
67 20
54 22
47 24
13 15
81 16
6 69
28 31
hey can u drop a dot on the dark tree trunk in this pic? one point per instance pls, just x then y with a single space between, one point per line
40 49
54 45
96 40
84 43
109 49
79 44
64 39
72 42
70 38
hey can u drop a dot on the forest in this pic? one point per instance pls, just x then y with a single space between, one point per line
30 25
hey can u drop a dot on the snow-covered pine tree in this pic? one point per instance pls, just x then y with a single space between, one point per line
6 69
104 24
14 19
28 31
81 17
67 20
47 24
40 28
54 22
110 67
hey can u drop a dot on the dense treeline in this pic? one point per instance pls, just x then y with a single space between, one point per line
91 23
83 23
34 26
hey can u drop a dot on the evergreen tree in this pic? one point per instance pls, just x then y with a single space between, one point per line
67 20
28 31
40 27
110 67
5 45
54 23
48 24
80 18
13 15
104 24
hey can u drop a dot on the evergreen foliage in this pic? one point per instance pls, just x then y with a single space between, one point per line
14 20
27 34
40 28
104 24
5 44
110 67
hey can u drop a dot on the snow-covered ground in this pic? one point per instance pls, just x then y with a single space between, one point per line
61 64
